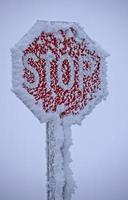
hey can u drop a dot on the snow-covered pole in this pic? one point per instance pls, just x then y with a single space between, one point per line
60 184
55 161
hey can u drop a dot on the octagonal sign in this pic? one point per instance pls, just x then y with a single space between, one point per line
58 71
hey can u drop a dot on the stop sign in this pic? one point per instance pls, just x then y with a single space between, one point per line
58 71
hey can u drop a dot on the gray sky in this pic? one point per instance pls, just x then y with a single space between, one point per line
99 152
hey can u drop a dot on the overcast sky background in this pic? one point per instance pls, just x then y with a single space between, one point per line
100 149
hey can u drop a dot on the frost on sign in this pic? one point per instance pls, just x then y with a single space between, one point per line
58 71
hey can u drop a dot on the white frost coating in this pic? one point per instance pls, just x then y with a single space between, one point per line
69 33
48 57
61 185
22 94
92 62
59 72
17 70
31 69
101 95
70 184
55 161
82 71
40 26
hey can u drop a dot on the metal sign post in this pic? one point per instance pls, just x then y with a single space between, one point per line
59 73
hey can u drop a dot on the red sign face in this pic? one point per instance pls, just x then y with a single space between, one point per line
62 71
